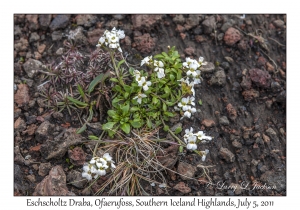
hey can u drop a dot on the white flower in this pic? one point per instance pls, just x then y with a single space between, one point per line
121 34
139 97
143 83
147 60
87 175
188 62
201 136
191 100
161 73
101 172
201 59
107 157
191 145
136 74
101 168
112 165
204 153
94 160
158 64
86 167
189 135
197 79
183 103
189 111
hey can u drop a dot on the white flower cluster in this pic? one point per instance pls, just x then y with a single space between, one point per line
191 66
158 66
111 39
142 83
191 138
98 167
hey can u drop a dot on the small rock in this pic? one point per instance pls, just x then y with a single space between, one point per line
270 67
278 23
219 78
186 170
182 187
231 111
86 20
198 30
30 129
208 68
266 138
30 119
19 125
54 184
261 61
94 35
33 22
224 153
250 94
192 21
246 83
31 178
57 147
119 16
269 103
37 55
78 36
224 120
260 78
145 43
44 169
77 156
57 115
200 38
34 37
189 51
179 19
275 86
127 41
44 20
281 97
22 95
31 67
180 28
21 45
41 48
226 26
243 45
75 178
43 131
17 30
86 192
141 20
56 35
237 144
59 22
237 188
209 25
60 51
208 123
232 36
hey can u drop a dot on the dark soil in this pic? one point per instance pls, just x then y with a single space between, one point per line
244 95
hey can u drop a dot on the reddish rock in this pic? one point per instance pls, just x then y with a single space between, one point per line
30 129
22 95
44 169
41 48
260 78
180 28
270 67
232 36
182 187
227 155
35 148
182 35
54 184
231 111
250 94
140 21
278 23
243 45
21 45
94 35
208 123
246 83
189 51
261 61
186 170
43 131
127 40
200 38
19 124
282 73
145 43
192 21
77 156
33 22
86 20
37 55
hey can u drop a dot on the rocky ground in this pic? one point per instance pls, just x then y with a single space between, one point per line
243 96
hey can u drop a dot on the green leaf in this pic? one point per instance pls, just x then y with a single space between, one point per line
167 90
118 88
164 107
91 113
134 109
169 114
80 103
126 94
159 56
125 127
108 126
125 108
127 88
112 113
172 78
181 149
83 128
93 137
200 102
80 90
120 63
149 123
166 128
93 84
114 80
136 123
178 130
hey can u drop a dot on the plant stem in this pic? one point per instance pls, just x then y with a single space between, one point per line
115 67
172 134
96 147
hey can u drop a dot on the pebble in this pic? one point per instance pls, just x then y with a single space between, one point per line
94 35
44 169
224 120
60 51
186 170
34 37
179 19
75 178
86 20
182 187
19 125
237 144
219 77
56 35
44 20
43 131
208 123
232 36
278 23
59 22
119 16
209 25
22 95
142 20
260 77
227 155
32 22
281 97
31 67
145 43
